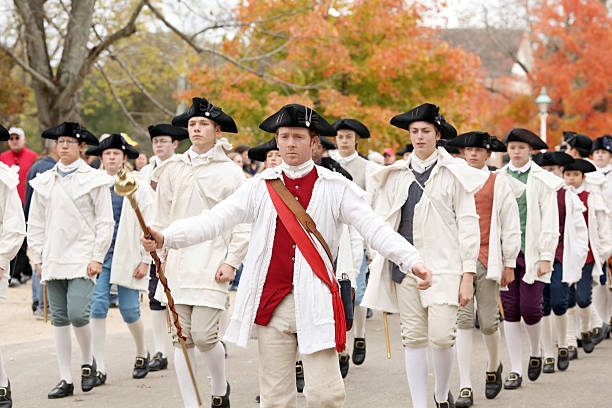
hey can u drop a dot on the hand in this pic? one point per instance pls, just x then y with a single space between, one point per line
94 268
466 288
544 268
39 270
507 277
156 242
424 273
226 273
141 270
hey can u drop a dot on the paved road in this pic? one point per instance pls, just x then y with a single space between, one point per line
28 350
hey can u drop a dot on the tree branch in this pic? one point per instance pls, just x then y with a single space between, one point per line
37 76
503 49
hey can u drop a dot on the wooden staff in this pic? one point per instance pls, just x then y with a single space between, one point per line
126 186
45 302
386 322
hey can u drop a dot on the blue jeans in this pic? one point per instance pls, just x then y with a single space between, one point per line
556 293
361 281
37 290
129 301
580 292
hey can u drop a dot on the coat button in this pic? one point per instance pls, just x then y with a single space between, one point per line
293 258
297 187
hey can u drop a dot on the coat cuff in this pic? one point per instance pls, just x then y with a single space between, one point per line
546 256
510 263
99 258
35 258
233 261
469 266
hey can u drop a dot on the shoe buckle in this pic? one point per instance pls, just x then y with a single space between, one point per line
217 401
3 392
360 344
533 363
491 377
444 404
550 361
466 393
513 377
86 371
299 369
140 362
562 352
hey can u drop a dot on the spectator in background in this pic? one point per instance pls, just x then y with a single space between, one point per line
19 158
47 162
251 167
141 161
389 156
236 158
406 151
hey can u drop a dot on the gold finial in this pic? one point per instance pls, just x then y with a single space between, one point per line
126 184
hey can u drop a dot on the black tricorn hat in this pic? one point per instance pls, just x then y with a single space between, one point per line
478 139
409 148
71 129
582 143
426 112
326 143
259 152
449 148
4 134
525 136
354 125
603 143
114 141
201 107
295 115
552 159
581 165
163 129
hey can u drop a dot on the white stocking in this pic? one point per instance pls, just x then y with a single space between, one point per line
160 331
463 343
63 346
99 336
443 364
3 376
137 330
534 334
184 379
492 343
514 342
416 371
215 361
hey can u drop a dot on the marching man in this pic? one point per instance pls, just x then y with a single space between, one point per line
287 294
12 233
199 275
70 228
429 200
500 239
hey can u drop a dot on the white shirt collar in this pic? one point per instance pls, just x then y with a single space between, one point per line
523 169
576 190
343 160
486 168
421 166
604 170
294 172
67 168
195 157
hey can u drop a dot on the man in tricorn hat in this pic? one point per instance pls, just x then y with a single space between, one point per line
287 293
539 237
165 139
429 200
70 228
199 275
500 239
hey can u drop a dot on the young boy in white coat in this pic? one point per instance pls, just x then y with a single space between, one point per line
539 237
125 264
70 228
12 233
500 239
198 276
429 200
287 294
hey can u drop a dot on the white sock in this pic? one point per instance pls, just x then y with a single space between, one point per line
600 302
84 336
572 333
137 330
99 337
534 334
184 379
359 322
442 361
3 376
561 330
595 317
416 371
514 342
609 296
463 342
492 343
160 331
585 319
215 361
63 346
547 342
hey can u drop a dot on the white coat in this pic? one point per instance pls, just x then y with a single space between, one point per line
71 221
12 223
575 238
600 237
335 201
185 190
446 231
542 226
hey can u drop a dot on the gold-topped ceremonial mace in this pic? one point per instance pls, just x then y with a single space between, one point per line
126 185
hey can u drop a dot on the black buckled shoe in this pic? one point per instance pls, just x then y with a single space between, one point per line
587 343
535 368
513 381
563 359
344 364
88 376
466 399
449 403
5 396
100 378
599 333
493 382
221 401
141 367
61 390
359 350
159 362
299 376
549 365
573 353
